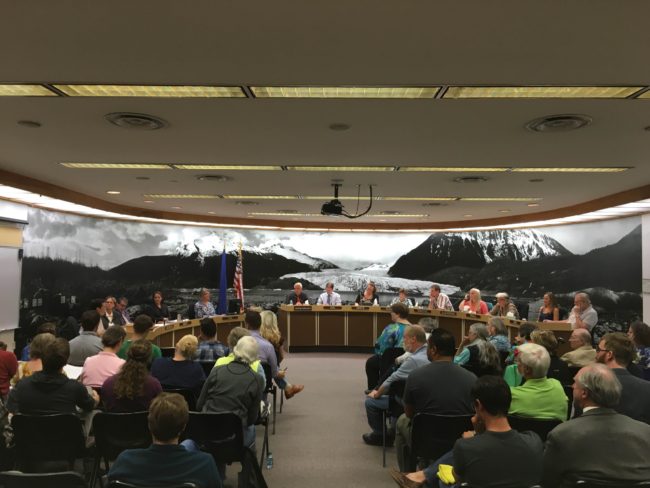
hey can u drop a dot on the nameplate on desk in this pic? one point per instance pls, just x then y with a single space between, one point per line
332 307
447 313
230 318
302 308
386 309
362 308
472 315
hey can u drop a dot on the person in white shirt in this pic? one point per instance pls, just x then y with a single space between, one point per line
583 315
438 300
329 297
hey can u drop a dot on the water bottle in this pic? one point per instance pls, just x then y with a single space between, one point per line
269 461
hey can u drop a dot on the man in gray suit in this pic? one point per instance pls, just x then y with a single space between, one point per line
601 444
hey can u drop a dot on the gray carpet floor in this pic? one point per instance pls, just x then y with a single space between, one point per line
318 434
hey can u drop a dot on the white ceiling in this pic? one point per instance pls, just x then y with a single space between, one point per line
406 43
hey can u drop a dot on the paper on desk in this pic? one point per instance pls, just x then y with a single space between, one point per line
72 372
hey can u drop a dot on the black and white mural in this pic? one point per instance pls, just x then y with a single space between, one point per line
70 260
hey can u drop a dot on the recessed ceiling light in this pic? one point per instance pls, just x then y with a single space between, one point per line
559 123
156 91
593 169
176 208
216 178
467 215
533 204
343 92
30 124
17 90
230 167
148 201
541 91
113 192
453 169
115 166
536 180
470 179
212 213
339 127
179 196
341 168
128 120
504 210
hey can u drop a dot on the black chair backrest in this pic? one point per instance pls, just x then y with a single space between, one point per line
207 367
116 432
269 378
167 352
395 394
434 435
190 312
590 483
189 395
220 434
43 438
64 479
541 427
389 356
124 484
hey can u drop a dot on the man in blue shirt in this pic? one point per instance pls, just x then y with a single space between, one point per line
165 461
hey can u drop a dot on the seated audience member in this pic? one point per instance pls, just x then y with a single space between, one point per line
391 336
120 308
498 335
583 315
329 297
141 327
549 311
269 330
474 304
428 324
88 343
204 307
157 310
504 307
601 444
639 333
111 316
8 369
582 353
166 462
377 400
616 351
493 454
105 364
236 388
438 300
440 387
368 297
210 349
99 306
558 368
267 355
402 298
297 296
539 397
522 337
180 371
133 388
45 328
476 353
35 363
233 338
50 391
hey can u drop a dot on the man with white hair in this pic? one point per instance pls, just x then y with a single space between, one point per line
539 397
601 444
297 296
582 352
583 315
504 307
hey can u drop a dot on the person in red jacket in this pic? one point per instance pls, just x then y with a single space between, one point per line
8 368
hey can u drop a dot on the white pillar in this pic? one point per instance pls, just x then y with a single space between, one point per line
645 273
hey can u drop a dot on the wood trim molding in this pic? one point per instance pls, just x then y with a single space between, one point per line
61 193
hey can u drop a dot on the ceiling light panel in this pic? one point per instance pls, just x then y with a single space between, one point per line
160 196
341 168
11 90
260 197
214 167
541 91
421 199
499 199
160 91
571 170
453 169
115 166
343 92
283 214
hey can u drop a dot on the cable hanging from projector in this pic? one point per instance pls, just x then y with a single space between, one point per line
334 208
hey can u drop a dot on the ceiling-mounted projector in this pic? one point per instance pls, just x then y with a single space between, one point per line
334 208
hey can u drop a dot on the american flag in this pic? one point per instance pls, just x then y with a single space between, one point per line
238 283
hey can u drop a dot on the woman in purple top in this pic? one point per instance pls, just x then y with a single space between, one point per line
133 388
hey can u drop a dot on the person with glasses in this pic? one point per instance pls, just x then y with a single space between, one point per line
582 352
120 308
111 316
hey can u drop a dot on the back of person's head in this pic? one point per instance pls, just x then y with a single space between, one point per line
546 339
55 355
129 382
416 332
399 309
428 324
142 324
246 350
499 326
168 416
253 320
534 358
236 334
140 351
113 336
493 393
443 341
621 347
269 327
208 327
641 333
480 329
90 320
46 328
526 329
38 345
601 384
583 336
96 303
187 346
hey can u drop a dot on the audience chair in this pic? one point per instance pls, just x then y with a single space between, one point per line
116 432
270 389
568 391
168 352
434 435
395 409
123 484
189 395
541 427
388 362
263 420
65 479
591 483
46 442
219 434
207 366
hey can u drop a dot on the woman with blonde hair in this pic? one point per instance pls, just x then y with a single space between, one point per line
270 331
474 304
181 371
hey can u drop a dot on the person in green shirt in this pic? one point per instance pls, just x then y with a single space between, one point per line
233 338
141 327
539 397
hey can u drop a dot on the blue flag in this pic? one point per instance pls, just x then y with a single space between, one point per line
222 307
